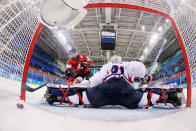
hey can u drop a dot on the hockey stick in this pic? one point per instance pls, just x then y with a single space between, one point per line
155 61
30 89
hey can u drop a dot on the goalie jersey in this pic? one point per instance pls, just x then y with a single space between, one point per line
124 69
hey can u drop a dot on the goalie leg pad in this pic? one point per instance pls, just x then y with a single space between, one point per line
74 99
173 96
57 92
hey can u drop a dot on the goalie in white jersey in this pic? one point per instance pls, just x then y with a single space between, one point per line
111 86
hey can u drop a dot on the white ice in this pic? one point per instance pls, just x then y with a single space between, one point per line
37 115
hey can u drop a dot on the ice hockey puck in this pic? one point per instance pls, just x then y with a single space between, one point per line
20 106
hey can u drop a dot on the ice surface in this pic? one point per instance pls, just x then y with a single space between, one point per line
38 115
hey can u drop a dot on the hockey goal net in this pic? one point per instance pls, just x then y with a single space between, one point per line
19 29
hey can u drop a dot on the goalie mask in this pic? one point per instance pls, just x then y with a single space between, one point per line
115 59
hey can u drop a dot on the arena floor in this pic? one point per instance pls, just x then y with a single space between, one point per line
38 115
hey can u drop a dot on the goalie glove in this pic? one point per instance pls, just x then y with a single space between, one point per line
135 79
147 79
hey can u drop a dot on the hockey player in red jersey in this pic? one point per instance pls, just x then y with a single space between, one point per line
77 66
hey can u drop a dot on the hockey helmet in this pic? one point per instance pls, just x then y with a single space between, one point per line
73 53
115 59
73 50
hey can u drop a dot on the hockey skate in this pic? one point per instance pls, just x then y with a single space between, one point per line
175 97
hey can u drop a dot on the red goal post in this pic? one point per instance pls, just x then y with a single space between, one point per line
19 28
165 13
170 11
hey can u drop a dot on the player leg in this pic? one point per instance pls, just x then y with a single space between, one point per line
153 96
53 94
107 93
115 91
130 97
92 96
175 96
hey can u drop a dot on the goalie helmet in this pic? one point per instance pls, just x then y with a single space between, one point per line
115 59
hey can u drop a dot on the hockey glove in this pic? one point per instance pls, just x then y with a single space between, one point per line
147 79
84 65
69 73
135 79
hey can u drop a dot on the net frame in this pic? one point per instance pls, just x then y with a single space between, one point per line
170 11
19 22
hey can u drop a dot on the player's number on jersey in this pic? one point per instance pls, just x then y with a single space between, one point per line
117 69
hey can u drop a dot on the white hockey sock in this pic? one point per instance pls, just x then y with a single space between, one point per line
85 98
75 99
154 98
144 99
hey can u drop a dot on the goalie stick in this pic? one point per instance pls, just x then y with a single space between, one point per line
155 61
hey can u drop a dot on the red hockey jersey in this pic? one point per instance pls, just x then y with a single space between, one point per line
76 64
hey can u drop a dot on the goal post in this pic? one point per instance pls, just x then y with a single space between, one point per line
169 11
28 58
20 26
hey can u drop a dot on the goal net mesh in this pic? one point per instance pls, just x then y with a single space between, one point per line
183 15
18 22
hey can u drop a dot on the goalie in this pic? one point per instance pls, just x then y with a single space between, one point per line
111 86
